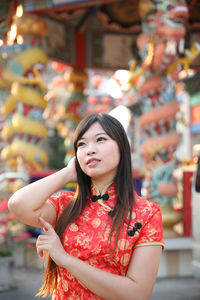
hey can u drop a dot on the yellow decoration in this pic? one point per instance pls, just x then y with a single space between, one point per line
12 162
7 132
30 57
8 106
145 8
134 74
3 83
27 59
170 217
24 125
27 95
190 55
14 186
29 152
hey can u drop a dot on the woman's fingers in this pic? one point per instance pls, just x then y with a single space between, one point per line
48 227
51 243
38 245
43 237
40 252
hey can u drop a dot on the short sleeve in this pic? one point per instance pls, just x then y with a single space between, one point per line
152 232
61 200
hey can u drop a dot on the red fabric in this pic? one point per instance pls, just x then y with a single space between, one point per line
87 239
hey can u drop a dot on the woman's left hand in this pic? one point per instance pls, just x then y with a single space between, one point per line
51 243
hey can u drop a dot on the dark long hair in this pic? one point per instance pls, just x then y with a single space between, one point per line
123 185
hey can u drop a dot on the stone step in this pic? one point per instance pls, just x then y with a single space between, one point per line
176 258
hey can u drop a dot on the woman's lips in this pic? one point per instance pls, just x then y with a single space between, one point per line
92 162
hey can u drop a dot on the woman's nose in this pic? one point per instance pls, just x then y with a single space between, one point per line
90 150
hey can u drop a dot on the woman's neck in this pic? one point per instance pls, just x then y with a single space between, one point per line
101 187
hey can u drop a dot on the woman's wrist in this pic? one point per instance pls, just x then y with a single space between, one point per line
65 260
66 175
71 171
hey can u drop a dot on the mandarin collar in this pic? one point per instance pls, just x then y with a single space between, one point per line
106 189
109 189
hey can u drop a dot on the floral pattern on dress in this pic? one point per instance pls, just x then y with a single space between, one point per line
87 239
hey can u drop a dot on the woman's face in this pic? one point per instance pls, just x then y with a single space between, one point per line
98 154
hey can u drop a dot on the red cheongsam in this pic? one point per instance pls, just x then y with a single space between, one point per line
87 239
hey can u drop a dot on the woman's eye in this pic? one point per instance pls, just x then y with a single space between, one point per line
99 139
80 144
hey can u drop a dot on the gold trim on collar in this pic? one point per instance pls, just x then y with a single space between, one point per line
108 208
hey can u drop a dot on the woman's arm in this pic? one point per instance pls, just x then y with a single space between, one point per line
136 285
30 202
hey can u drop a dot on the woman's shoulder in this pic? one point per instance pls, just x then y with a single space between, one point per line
63 196
148 214
144 208
144 203
61 199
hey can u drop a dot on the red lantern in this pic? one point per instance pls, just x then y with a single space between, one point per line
106 100
58 66
93 100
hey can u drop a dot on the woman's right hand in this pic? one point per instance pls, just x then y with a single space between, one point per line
51 243
71 168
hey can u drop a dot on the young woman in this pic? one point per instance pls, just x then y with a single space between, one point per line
104 241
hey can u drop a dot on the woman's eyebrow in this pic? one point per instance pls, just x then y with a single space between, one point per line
97 134
100 133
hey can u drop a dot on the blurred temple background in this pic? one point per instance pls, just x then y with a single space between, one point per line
136 60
